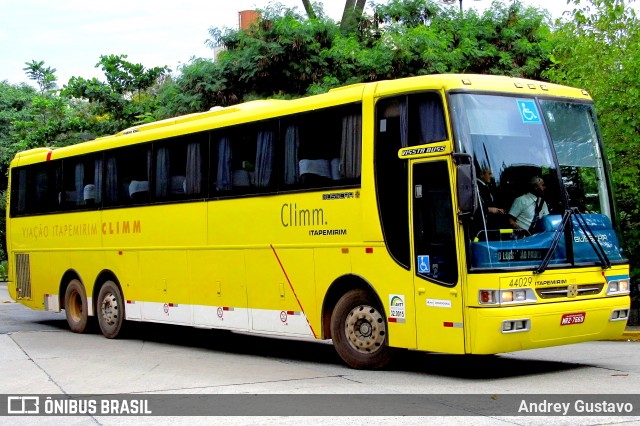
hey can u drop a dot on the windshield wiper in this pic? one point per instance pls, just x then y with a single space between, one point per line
590 236
595 242
554 243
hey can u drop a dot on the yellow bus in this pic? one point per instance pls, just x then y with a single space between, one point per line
382 215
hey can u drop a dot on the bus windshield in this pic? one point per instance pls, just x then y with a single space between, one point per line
534 159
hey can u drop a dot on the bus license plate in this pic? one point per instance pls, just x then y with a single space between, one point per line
568 319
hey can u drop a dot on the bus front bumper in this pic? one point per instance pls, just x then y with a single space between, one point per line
513 328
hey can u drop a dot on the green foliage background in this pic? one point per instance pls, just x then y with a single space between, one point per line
287 55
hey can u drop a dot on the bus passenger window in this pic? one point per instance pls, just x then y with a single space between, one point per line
327 145
35 189
178 167
127 175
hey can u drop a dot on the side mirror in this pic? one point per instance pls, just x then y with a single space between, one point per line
465 184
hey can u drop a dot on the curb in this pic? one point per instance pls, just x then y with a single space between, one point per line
628 336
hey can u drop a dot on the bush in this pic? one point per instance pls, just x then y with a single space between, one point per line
4 270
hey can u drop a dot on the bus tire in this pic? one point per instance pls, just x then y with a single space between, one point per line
359 331
110 310
75 306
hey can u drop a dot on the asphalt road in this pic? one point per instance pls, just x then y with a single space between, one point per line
40 356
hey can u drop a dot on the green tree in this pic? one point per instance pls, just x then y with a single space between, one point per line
127 97
46 121
598 49
352 13
286 55
308 7
15 101
44 76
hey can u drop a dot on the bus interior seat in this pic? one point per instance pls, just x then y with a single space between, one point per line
89 193
241 178
335 169
138 189
314 172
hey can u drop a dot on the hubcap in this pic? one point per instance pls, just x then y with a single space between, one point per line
365 329
109 309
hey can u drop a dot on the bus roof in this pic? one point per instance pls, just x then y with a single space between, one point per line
265 109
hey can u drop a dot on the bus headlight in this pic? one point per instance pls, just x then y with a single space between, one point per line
514 296
618 287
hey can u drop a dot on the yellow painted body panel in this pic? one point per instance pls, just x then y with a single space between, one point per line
485 322
218 278
485 325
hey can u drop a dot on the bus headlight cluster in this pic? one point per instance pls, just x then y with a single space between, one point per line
506 297
618 287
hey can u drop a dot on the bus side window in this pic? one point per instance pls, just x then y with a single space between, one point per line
391 176
327 145
18 192
127 173
426 120
243 159
178 169
79 182
41 187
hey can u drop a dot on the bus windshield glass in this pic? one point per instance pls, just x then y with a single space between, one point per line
534 159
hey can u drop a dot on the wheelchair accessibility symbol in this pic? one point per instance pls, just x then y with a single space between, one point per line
423 265
528 111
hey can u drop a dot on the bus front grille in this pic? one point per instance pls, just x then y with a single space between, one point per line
23 276
569 291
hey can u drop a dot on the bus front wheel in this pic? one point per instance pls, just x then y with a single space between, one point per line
359 331
110 310
75 306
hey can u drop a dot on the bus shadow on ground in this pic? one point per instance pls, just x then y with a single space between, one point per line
478 367
473 367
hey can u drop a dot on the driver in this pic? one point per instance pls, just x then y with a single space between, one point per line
528 209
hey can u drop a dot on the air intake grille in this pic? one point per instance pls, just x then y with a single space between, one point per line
569 291
23 276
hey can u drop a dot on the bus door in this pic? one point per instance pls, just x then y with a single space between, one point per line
438 293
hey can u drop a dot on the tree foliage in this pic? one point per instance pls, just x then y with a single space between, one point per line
44 76
125 98
15 104
285 55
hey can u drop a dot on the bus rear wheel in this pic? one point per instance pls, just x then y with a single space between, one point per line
110 310
75 306
359 331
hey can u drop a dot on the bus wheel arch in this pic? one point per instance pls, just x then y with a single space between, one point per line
74 302
354 317
109 305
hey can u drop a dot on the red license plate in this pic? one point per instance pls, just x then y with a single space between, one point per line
568 319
